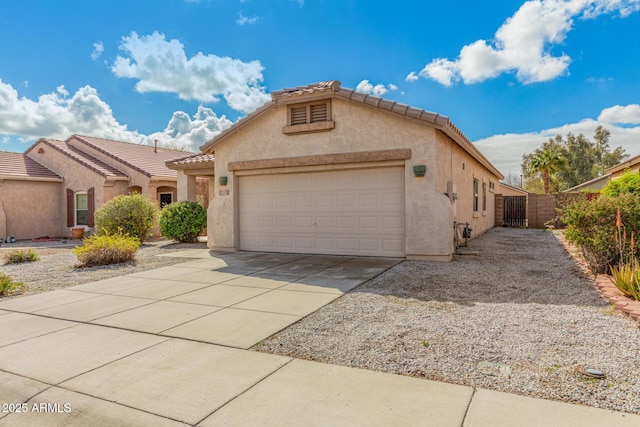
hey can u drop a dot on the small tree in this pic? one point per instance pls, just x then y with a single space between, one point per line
183 221
132 214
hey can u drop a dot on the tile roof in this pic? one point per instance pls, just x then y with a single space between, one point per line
193 161
20 166
333 88
137 156
83 158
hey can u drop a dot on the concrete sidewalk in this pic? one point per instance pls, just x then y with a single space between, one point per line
143 350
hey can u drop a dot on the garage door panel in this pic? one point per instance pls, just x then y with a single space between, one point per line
349 212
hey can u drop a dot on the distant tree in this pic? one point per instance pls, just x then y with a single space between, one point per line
547 162
585 160
513 180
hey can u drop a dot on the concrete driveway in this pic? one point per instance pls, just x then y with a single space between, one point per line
157 348
231 299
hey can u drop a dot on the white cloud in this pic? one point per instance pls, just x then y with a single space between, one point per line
522 44
411 77
243 20
98 49
190 133
60 114
629 114
378 90
505 151
162 66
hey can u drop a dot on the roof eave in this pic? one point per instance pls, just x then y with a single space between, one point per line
237 126
29 178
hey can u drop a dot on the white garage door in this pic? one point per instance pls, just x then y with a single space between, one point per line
345 212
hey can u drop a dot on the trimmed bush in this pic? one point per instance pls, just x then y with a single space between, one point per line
18 255
132 214
107 249
591 224
183 221
7 285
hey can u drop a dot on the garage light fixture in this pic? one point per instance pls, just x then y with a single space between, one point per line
223 180
419 170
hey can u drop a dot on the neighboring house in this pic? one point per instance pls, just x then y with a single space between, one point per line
56 185
327 170
614 172
510 190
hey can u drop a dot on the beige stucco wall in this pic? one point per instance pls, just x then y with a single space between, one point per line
31 209
429 213
459 168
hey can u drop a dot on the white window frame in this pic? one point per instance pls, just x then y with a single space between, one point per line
476 195
75 208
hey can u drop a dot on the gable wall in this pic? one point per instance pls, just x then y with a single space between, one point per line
76 177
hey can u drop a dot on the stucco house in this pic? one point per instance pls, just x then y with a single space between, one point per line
327 170
56 185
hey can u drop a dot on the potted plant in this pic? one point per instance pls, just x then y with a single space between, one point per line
77 233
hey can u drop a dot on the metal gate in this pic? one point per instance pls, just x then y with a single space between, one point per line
514 212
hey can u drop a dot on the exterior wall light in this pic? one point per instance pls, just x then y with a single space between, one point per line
419 170
223 180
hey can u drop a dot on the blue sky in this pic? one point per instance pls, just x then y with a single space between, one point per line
180 71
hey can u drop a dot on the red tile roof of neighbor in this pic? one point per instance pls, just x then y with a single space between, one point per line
140 157
19 166
83 158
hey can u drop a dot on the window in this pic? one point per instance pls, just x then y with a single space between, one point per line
310 117
165 199
484 197
82 209
476 185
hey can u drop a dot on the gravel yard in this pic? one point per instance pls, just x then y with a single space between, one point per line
523 302
56 268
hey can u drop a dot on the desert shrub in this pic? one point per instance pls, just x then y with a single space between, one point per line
626 277
183 221
19 255
629 182
7 285
591 224
107 249
132 214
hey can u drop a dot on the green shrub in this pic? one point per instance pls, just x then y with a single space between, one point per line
19 255
107 249
183 221
7 285
591 224
132 214
629 182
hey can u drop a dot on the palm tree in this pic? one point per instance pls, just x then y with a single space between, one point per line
547 162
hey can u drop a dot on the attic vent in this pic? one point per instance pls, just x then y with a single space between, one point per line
314 116
299 115
318 113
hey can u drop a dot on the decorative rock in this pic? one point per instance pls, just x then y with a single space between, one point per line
495 369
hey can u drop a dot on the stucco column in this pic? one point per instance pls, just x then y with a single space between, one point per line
186 187
211 188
